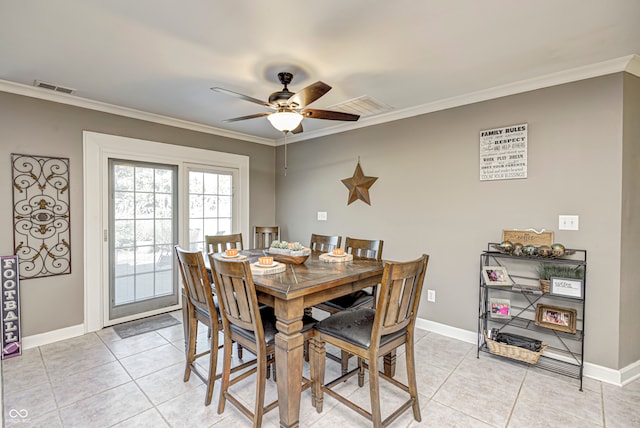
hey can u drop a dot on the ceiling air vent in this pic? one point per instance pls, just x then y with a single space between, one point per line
364 106
52 87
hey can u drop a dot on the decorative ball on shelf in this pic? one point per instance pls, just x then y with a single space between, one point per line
517 249
506 246
557 250
529 250
544 251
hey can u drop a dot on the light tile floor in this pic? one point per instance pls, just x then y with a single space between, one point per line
101 380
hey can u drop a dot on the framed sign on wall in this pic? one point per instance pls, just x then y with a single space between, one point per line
503 153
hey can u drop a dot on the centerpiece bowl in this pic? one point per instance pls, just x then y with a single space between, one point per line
293 260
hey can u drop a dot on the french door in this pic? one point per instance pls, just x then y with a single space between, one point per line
143 227
132 220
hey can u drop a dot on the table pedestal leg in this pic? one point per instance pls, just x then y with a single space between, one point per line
289 356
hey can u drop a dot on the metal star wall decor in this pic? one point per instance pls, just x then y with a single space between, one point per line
358 186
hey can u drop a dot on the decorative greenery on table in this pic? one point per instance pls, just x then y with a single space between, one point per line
288 248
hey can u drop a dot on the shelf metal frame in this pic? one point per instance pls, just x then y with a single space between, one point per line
562 360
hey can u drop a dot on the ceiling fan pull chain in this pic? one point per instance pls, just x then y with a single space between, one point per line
285 154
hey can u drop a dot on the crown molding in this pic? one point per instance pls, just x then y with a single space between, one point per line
630 64
62 98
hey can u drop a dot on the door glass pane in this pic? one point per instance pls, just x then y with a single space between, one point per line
143 233
210 205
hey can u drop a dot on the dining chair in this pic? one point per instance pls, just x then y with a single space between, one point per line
200 306
372 333
364 249
263 236
220 243
324 243
254 326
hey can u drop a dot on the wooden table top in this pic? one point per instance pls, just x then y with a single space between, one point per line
313 276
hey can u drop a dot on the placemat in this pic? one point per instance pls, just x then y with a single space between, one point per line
257 270
326 257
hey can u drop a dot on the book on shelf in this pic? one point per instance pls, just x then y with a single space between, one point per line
526 288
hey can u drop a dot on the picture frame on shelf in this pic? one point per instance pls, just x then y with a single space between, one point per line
567 287
556 318
496 275
500 308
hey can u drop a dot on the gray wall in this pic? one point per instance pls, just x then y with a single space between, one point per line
37 127
630 248
428 197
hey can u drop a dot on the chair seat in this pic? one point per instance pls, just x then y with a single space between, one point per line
269 324
350 301
355 326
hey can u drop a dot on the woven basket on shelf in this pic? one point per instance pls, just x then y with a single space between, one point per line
513 352
545 285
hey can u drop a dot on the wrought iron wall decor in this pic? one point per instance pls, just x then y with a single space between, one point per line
41 219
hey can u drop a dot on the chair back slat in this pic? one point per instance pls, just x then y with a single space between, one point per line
399 297
196 281
238 300
324 243
220 243
364 248
263 236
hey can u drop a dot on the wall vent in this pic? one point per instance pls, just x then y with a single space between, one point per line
53 87
364 106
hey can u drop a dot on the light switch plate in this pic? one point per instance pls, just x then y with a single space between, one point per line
322 215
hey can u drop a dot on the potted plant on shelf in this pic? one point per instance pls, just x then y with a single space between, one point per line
546 271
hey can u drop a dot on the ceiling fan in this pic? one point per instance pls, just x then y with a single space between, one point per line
290 108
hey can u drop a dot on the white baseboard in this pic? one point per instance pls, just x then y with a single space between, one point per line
630 373
52 336
604 374
446 330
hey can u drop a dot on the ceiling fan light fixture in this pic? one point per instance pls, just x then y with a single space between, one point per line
285 121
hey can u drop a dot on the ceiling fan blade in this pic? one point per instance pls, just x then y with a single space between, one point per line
309 94
251 116
241 96
298 129
328 114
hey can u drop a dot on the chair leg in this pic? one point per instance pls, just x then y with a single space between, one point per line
411 378
374 392
226 372
344 361
239 350
361 372
273 368
192 332
261 376
317 357
185 321
213 365
390 364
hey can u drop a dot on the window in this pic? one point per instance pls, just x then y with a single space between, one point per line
211 205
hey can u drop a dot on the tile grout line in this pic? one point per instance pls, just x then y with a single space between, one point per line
153 405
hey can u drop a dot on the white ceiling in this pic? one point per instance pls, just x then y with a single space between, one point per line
162 56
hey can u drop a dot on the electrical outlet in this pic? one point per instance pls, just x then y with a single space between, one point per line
568 222
322 215
431 296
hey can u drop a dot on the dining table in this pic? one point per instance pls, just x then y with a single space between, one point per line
290 292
